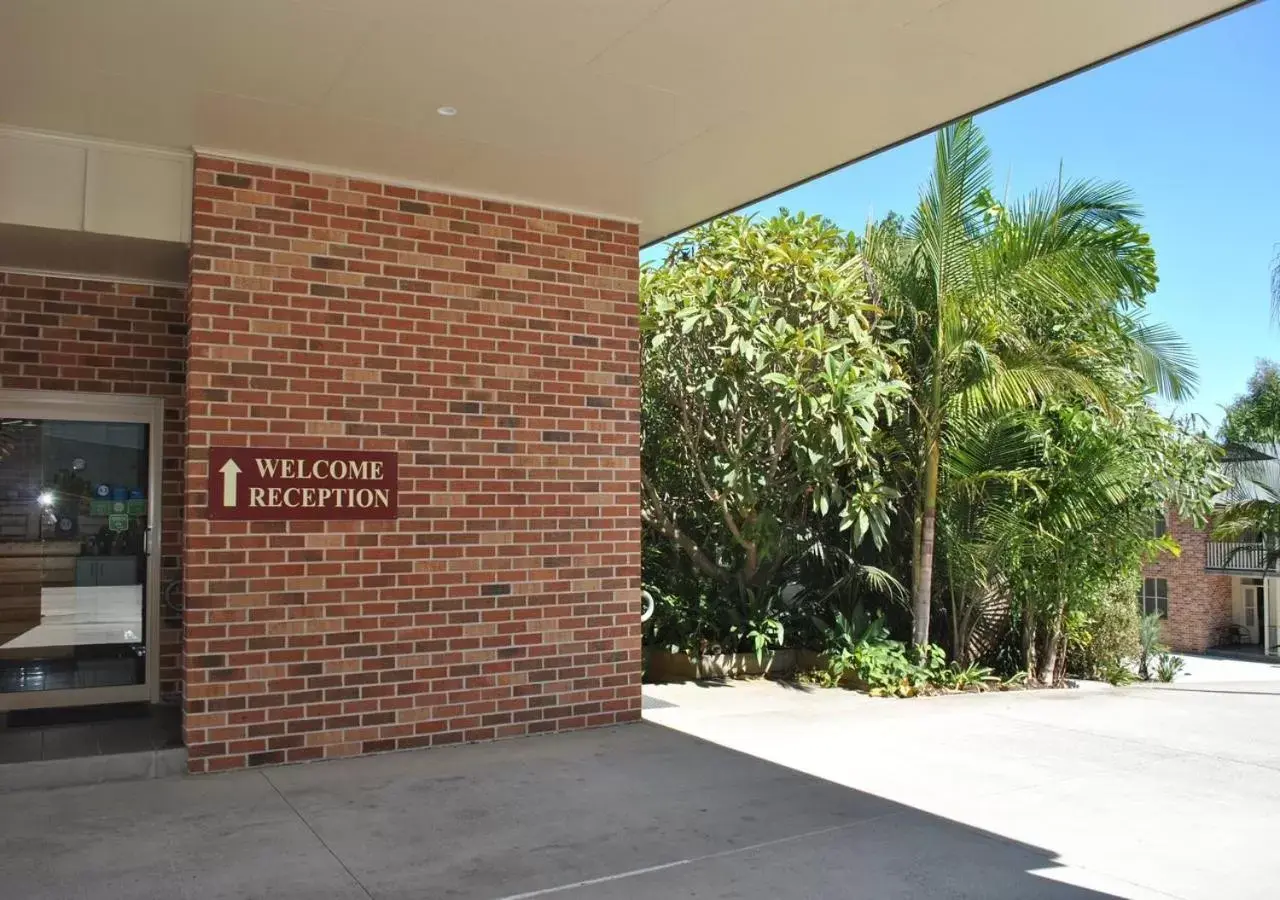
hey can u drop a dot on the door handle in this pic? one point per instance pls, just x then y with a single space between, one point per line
146 542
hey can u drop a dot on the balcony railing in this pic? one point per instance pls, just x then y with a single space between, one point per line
1240 557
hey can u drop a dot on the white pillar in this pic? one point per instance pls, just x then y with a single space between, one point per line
1266 616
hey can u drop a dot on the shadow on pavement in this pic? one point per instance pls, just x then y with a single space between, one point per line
798 686
1199 690
633 812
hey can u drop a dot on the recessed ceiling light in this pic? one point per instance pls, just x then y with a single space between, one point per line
447 111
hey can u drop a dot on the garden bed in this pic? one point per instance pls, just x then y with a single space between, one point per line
663 665
807 666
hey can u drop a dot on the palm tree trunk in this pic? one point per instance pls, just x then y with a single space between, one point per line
929 496
954 615
924 581
1048 662
916 519
1029 638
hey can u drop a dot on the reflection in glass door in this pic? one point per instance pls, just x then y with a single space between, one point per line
75 504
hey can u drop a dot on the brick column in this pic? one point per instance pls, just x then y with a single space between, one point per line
494 348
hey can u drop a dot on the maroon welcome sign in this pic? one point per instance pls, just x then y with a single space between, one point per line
277 484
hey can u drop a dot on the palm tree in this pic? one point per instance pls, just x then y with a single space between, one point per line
1251 506
991 467
972 285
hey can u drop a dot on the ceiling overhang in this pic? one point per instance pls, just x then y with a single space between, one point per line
665 112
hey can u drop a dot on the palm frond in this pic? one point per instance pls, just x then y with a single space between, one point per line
1025 382
1069 255
1247 517
1090 204
1163 359
980 445
948 215
881 580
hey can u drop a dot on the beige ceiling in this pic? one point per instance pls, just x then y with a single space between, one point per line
661 111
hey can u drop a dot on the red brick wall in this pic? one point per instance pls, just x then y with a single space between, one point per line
72 334
1199 602
494 348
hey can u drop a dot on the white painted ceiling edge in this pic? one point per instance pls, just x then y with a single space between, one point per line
75 184
665 112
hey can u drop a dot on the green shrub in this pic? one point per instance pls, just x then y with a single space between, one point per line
973 675
684 621
1149 646
761 628
1103 639
1016 680
1118 674
1168 666
886 669
862 653
697 621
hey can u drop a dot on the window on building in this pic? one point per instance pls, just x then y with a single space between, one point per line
1154 597
1159 527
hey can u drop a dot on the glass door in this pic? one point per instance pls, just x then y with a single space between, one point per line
76 516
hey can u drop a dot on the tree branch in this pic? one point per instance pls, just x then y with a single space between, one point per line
658 515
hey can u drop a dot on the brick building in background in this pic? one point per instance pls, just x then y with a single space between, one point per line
1197 602
1218 594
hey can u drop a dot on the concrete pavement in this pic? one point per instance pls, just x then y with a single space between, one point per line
753 790
1200 669
635 812
1147 791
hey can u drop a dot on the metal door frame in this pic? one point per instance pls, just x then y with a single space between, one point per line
87 407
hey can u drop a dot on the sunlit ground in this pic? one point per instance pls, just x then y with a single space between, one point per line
1141 792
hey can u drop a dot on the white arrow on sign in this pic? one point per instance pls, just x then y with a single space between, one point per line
229 472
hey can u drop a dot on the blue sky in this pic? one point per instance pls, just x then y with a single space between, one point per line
1192 125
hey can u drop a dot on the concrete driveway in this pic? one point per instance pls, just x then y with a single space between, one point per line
1146 791
1200 669
1069 795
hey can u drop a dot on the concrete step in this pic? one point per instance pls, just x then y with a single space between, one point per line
74 770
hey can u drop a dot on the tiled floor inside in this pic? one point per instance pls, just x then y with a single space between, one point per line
69 674
33 735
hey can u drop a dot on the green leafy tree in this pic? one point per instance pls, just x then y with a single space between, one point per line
1106 480
1075 526
1254 416
767 370
993 300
